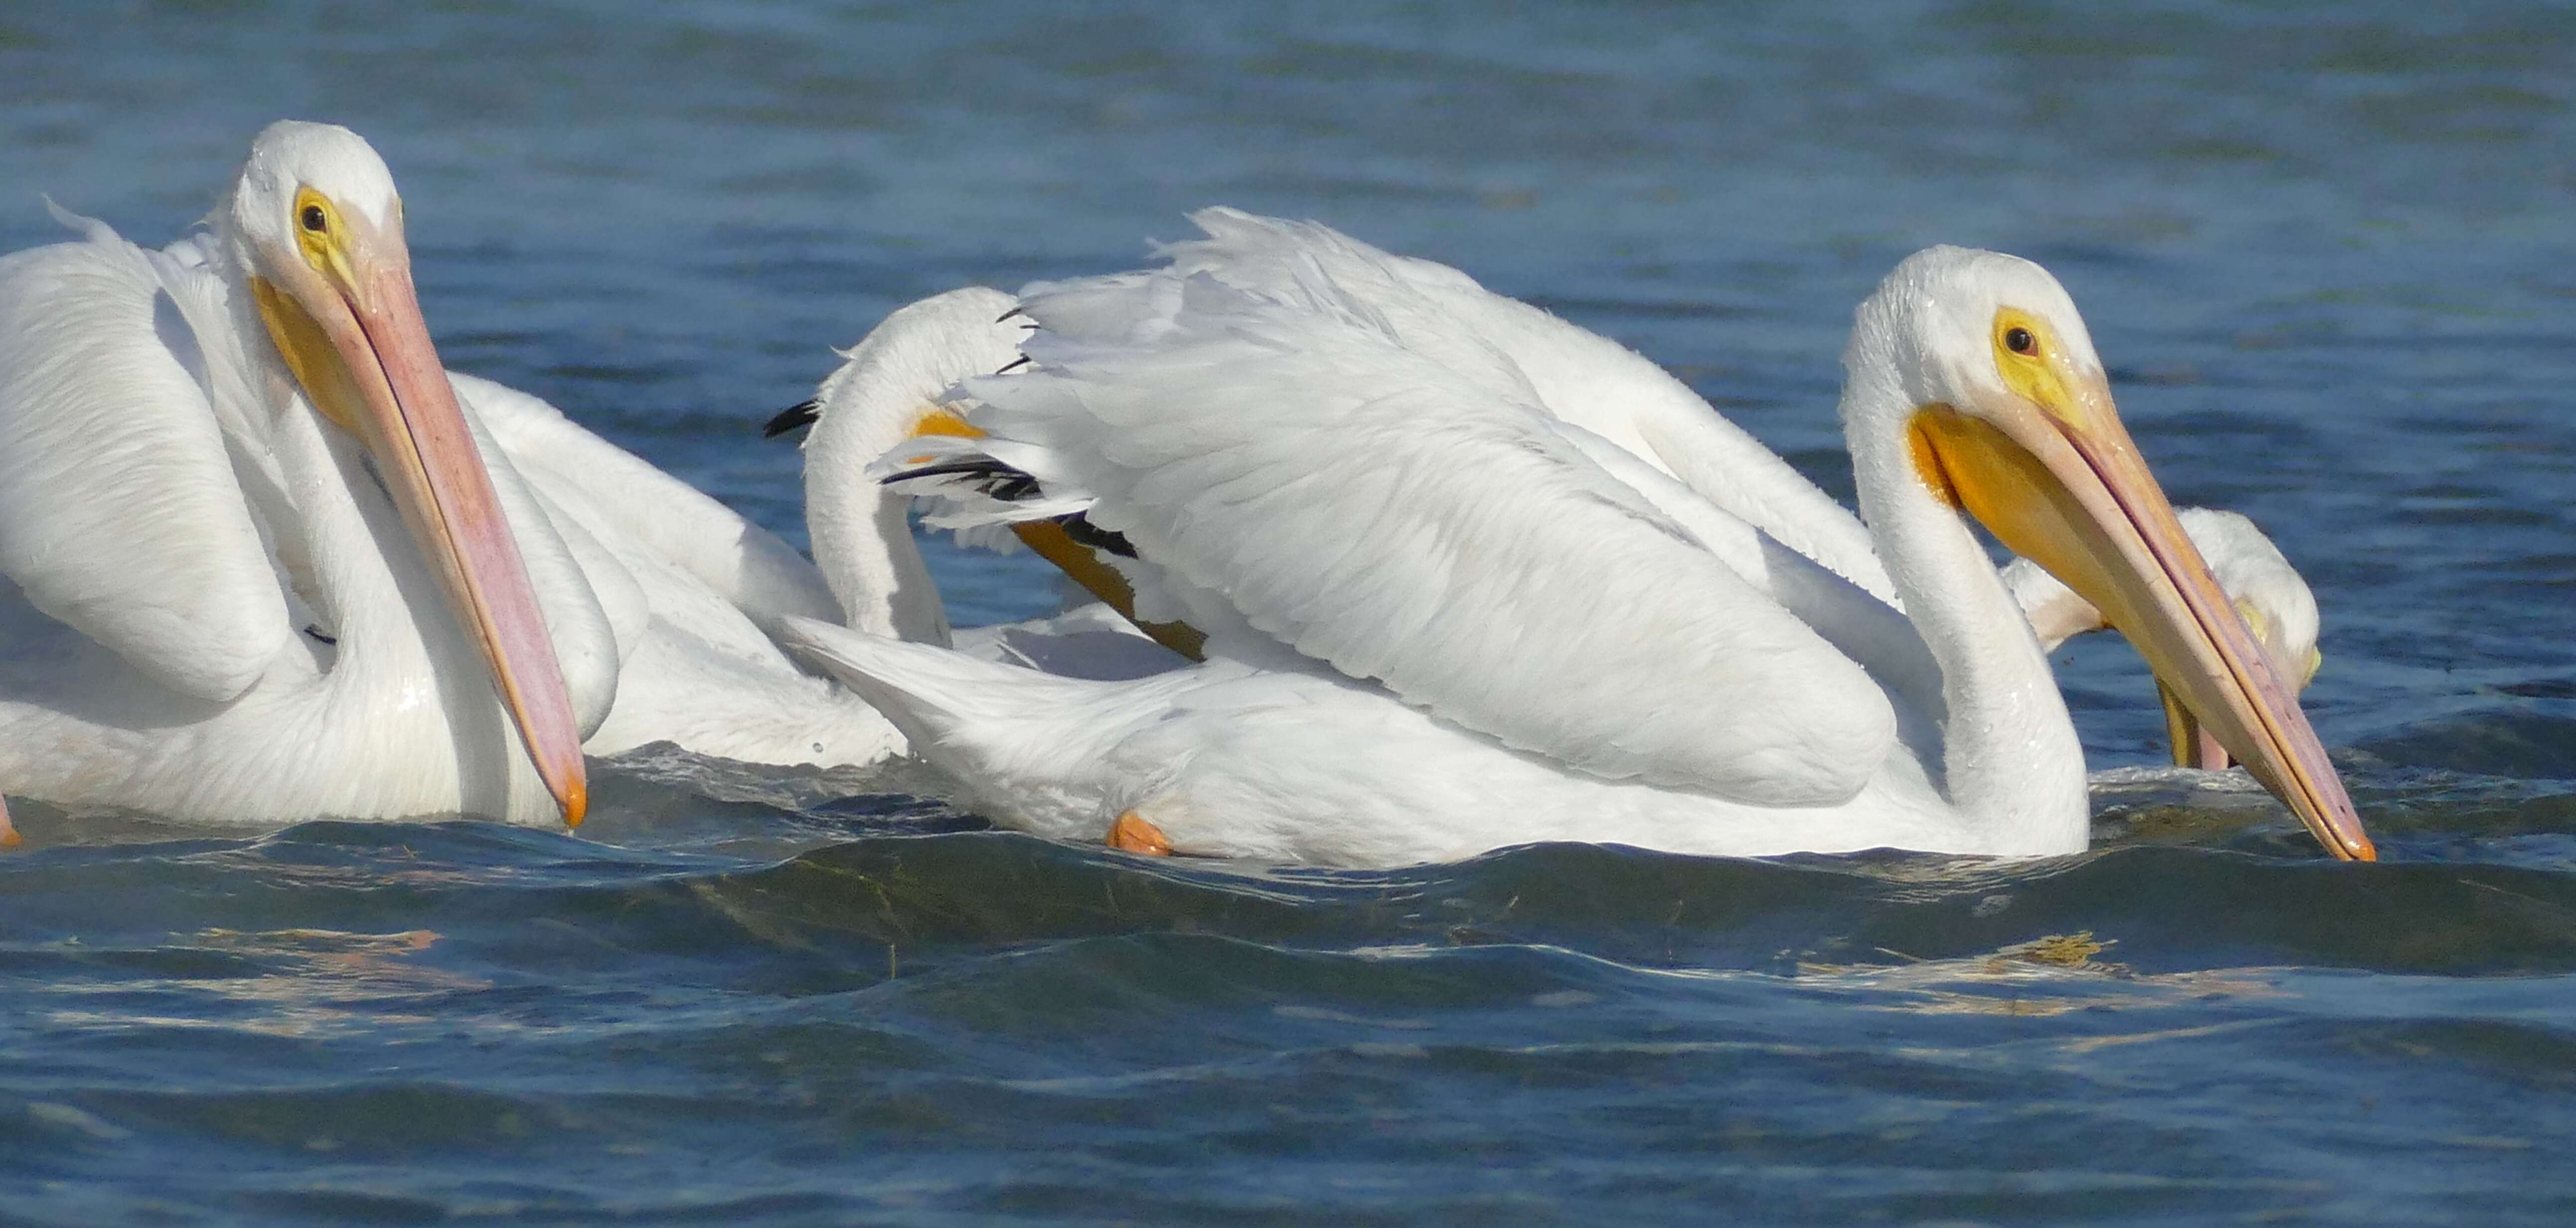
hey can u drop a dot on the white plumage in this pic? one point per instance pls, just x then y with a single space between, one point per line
228 603
1578 376
705 672
1410 527
1444 614
257 570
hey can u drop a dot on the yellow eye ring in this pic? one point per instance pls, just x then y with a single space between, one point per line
317 231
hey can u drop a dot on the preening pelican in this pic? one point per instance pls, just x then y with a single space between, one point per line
705 672
892 387
2268 594
709 676
258 568
1443 614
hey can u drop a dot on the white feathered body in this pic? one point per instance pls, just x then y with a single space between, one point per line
182 534
1308 767
1444 614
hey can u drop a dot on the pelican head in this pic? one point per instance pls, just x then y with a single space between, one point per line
2008 416
315 228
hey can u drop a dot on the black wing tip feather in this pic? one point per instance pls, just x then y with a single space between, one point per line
1009 484
802 413
1084 533
995 479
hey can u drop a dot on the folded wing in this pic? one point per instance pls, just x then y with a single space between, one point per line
1579 376
1416 518
119 511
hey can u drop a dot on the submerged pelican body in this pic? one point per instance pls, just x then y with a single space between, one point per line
1445 609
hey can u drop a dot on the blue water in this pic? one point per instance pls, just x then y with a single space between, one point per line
2330 252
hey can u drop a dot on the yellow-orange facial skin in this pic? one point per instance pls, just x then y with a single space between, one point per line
342 313
1078 562
2048 468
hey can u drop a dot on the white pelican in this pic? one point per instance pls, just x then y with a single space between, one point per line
257 568
1443 614
248 642
891 388
2268 594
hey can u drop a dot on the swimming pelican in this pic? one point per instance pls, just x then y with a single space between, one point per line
1574 374
2267 592
1442 616
890 389
656 594
258 568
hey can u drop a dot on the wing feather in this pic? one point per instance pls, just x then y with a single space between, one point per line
1371 506
120 515
1586 379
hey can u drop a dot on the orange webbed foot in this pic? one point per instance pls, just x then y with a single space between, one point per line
1133 834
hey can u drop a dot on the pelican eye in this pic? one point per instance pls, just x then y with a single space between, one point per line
314 219
2019 341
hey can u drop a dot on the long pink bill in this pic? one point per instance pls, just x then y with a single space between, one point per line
429 462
